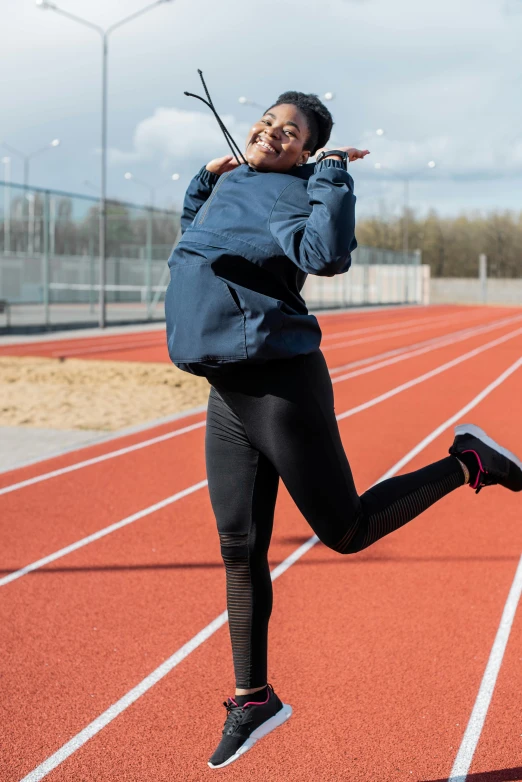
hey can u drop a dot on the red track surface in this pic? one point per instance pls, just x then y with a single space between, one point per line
381 654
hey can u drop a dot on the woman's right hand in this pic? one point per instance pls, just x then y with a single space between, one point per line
221 165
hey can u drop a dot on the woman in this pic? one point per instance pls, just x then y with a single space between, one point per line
252 233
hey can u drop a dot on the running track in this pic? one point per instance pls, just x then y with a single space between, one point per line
384 655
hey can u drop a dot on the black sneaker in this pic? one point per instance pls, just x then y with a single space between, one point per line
246 724
494 464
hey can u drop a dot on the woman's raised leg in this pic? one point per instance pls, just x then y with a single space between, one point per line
287 409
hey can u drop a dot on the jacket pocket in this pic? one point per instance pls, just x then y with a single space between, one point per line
204 322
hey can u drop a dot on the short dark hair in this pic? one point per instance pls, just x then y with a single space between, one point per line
319 119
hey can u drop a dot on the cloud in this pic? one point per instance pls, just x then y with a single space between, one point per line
456 157
173 135
512 7
185 139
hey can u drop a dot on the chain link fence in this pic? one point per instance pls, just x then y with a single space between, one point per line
49 264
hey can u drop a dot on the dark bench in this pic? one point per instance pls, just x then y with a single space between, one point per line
5 310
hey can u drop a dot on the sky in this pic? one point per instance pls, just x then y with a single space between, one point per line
442 78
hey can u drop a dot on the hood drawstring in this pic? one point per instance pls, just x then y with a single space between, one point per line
230 141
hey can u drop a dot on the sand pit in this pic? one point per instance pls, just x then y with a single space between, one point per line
102 395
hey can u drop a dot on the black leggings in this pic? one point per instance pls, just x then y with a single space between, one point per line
278 419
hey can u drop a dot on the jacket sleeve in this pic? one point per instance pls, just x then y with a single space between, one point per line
197 193
315 227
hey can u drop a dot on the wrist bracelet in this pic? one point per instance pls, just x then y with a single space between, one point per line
338 152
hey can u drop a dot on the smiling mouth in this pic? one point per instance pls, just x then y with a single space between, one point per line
265 146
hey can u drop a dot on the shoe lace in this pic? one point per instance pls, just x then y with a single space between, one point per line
234 715
484 479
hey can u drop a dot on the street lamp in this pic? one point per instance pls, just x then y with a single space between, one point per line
406 181
7 203
151 188
27 157
104 34
7 168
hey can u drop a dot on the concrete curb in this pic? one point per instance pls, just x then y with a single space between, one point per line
110 436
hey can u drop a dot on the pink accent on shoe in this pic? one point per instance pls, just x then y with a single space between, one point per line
252 703
258 703
481 468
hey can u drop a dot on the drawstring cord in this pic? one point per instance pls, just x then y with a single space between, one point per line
230 141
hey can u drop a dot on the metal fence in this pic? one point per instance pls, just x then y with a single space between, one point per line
49 248
49 272
376 277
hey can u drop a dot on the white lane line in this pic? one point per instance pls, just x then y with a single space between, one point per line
427 375
100 534
430 344
168 665
109 437
153 678
460 769
353 411
453 420
114 346
161 438
387 335
401 324
109 348
104 457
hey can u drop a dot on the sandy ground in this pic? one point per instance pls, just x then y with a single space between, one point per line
94 395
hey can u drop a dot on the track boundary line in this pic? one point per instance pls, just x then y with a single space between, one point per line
114 346
402 354
102 458
161 438
389 334
139 327
419 348
100 722
459 772
101 533
14 575
428 375
106 438
384 326
119 343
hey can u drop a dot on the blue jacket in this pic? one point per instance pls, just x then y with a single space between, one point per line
249 241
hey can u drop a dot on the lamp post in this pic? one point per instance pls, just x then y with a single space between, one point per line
406 182
148 242
27 157
151 188
104 34
7 203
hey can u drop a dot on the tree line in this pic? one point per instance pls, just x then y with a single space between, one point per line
72 227
451 245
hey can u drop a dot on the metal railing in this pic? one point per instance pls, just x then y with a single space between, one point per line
49 270
49 241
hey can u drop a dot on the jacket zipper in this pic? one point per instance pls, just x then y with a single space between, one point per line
216 188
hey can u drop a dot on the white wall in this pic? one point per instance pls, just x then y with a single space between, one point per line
469 291
370 284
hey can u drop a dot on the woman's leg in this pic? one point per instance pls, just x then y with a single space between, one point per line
287 410
243 489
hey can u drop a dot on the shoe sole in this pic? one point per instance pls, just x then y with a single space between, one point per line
267 727
481 435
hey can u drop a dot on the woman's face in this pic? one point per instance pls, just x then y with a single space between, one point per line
277 142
